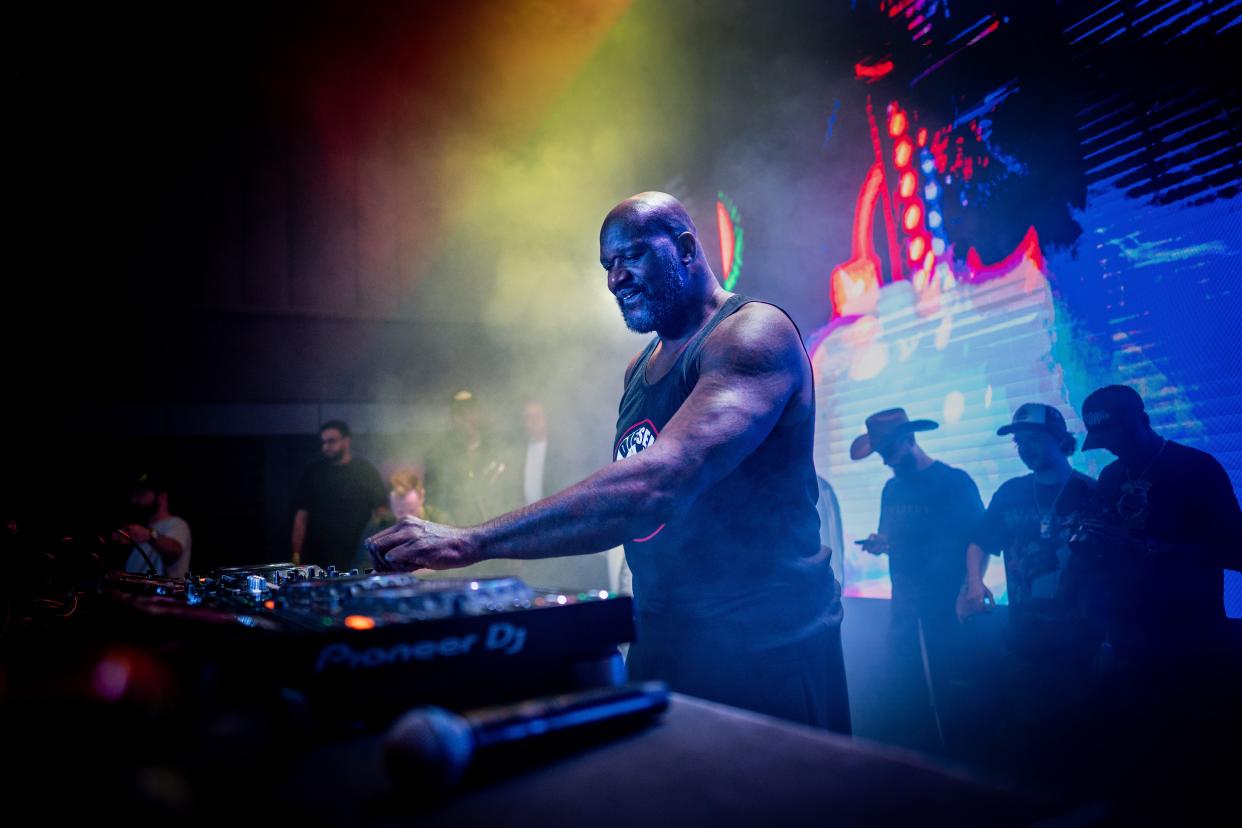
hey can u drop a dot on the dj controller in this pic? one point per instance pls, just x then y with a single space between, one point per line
375 643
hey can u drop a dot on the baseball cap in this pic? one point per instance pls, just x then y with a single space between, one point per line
149 481
1107 412
1036 416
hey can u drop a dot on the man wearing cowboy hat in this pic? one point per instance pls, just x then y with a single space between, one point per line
927 513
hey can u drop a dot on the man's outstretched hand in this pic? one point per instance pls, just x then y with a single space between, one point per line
419 544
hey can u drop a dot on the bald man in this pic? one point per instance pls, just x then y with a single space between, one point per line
712 489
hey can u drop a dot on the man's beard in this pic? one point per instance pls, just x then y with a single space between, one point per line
661 306
907 466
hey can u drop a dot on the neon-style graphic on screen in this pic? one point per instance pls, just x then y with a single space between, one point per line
961 343
729 225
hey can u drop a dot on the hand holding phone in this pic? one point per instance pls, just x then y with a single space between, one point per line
875 544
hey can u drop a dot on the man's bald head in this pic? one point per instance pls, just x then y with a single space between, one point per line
656 268
652 211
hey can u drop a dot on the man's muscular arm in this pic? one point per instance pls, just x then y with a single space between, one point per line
749 369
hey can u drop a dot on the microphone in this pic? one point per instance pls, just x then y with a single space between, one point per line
433 748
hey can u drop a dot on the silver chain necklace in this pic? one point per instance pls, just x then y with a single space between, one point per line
1045 517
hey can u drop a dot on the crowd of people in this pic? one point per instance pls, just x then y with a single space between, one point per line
1117 650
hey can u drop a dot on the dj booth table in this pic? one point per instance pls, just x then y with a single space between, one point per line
701 764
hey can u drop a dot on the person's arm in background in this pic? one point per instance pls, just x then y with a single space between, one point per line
170 547
877 542
300 518
174 547
1222 531
972 504
977 597
172 551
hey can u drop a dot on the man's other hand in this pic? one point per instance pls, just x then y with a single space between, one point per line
974 598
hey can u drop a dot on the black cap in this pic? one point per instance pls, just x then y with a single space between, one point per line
149 481
1107 412
1036 417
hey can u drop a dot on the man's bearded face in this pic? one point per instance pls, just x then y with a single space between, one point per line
333 444
645 275
1038 450
143 504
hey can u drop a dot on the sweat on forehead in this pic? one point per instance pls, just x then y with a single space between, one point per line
652 211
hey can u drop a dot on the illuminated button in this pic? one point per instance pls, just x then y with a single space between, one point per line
359 622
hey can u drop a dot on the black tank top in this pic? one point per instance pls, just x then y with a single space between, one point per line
746 557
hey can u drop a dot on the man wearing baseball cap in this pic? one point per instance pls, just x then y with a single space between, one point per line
1174 526
927 512
1054 628
1169 528
1026 520
159 541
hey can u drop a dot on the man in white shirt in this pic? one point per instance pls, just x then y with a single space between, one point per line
159 540
535 425
543 473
